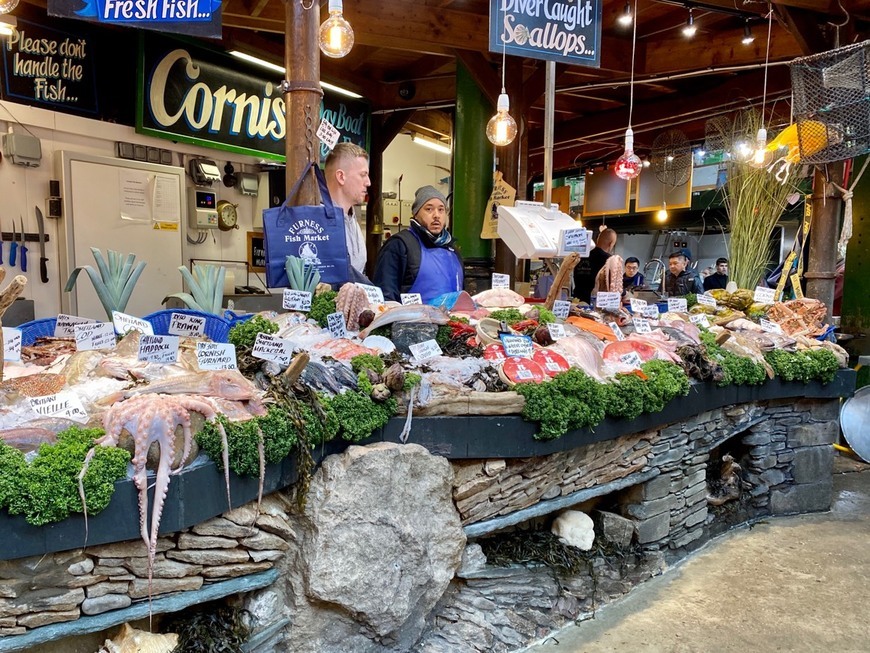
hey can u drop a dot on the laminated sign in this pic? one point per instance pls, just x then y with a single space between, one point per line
502 195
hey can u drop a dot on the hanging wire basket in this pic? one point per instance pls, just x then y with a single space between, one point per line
832 103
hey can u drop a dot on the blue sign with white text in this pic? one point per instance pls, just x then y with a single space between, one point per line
192 17
557 30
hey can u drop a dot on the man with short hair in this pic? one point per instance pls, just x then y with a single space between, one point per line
347 178
632 277
680 280
719 279
587 269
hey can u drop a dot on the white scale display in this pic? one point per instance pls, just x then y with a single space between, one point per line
202 213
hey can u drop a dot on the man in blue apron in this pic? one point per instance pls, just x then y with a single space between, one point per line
423 258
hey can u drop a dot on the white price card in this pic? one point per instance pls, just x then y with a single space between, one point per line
375 294
651 312
770 327
158 349
125 323
63 404
216 356
11 344
764 295
637 305
700 319
501 280
561 308
556 330
296 300
336 325
64 327
182 324
677 305
707 300
328 134
425 350
608 301
631 358
96 335
575 240
616 330
641 325
517 346
411 298
272 348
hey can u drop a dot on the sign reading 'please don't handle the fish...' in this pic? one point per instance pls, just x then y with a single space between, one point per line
568 30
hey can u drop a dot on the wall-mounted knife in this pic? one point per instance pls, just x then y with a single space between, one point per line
43 262
13 248
22 248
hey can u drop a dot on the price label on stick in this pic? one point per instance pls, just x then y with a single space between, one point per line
677 305
770 327
517 346
11 344
764 295
411 298
63 404
182 324
637 305
616 330
561 308
64 327
700 320
336 325
95 335
425 350
375 294
641 325
706 300
158 349
216 356
608 301
501 280
296 300
631 358
328 134
651 312
271 348
556 330
125 323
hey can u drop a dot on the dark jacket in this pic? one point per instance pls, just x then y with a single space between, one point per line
586 271
630 282
687 282
398 261
716 280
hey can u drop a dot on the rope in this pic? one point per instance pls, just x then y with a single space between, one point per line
847 194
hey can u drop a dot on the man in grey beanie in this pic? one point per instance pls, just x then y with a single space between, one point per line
422 259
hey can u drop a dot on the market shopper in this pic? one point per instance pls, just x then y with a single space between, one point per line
347 178
680 280
423 258
632 276
719 279
587 270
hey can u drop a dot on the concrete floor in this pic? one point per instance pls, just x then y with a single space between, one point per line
789 584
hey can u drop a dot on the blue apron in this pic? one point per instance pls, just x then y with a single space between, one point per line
440 272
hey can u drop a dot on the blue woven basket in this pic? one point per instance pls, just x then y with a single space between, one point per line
216 327
30 331
235 318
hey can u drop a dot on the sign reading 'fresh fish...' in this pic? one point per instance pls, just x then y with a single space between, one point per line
192 17
557 30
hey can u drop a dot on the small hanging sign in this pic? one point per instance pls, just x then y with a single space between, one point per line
328 134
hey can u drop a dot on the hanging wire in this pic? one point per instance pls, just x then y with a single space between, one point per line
503 45
631 83
766 61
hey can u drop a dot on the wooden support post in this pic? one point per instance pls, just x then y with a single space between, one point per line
827 206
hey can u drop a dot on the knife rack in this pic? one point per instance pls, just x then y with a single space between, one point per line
28 237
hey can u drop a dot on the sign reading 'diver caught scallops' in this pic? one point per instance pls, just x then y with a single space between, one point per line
566 30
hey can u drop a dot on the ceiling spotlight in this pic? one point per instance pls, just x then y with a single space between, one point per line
7 5
626 17
747 34
690 29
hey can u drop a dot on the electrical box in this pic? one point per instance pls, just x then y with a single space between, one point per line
202 213
248 183
204 172
391 212
22 149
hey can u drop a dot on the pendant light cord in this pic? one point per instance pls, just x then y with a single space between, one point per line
766 64
631 83
503 46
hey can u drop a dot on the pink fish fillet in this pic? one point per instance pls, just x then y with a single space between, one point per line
663 349
614 351
580 353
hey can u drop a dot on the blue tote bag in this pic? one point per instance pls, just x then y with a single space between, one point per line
313 233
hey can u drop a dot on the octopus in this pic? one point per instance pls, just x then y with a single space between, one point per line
154 418
350 301
609 278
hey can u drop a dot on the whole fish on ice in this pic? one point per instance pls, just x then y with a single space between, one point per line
408 313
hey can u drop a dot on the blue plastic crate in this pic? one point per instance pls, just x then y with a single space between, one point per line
34 329
216 327
237 318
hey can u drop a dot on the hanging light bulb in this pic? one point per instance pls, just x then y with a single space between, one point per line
502 128
7 5
626 16
662 213
748 38
690 29
336 34
760 147
629 164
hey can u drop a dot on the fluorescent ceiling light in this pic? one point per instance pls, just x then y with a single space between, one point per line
8 24
280 69
432 145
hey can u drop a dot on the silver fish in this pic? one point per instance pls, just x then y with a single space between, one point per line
227 384
408 313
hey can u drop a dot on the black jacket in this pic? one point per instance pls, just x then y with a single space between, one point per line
716 280
399 261
586 271
687 282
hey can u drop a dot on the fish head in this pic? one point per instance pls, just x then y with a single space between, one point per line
230 384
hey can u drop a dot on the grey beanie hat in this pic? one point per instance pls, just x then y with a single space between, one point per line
423 195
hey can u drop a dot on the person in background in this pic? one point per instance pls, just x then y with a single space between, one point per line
719 279
632 276
347 178
680 280
588 268
422 259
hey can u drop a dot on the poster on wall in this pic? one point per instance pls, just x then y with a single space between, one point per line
569 32
49 68
191 17
201 96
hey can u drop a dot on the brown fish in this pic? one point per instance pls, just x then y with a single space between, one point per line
35 385
26 438
226 384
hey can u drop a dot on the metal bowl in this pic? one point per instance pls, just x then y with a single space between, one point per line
855 422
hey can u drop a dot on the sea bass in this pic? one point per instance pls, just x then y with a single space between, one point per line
408 313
